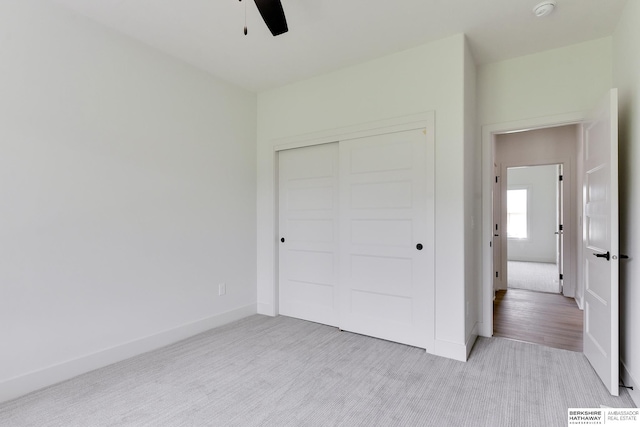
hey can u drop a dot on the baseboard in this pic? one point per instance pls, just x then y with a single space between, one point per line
457 351
32 381
630 381
542 260
266 309
450 350
471 340
484 330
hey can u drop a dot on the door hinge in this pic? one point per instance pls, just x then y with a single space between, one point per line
561 227
561 178
496 179
496 274
561 276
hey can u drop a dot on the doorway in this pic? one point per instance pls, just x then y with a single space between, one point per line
544 168
534 228
597 139
535 283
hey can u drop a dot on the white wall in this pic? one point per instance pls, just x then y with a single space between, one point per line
128 192
558 81
542 184
426 78
626 74
549 88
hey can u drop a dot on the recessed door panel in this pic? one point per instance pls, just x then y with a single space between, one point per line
371 232
310 163
382 275
596 279
304 296
310 230
599 338
390 309
311 267
380 195
381 158
310 198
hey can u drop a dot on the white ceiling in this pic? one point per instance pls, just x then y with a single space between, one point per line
325 35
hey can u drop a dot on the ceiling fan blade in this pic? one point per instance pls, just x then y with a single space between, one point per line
273 15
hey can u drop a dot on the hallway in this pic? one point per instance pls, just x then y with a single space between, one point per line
549 319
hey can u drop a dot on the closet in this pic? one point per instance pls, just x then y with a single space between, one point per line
356 235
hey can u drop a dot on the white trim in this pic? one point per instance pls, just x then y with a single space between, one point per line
451 350
378 127
484 331
472 339
266 309
488 139
32 381
275 245
630 381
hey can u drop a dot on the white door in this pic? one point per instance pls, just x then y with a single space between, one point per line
308 256
386 243
600 236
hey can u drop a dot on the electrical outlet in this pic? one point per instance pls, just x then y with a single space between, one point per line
222 289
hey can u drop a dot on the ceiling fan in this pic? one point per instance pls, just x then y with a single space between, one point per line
273 15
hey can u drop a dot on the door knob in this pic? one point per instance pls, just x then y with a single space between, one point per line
419 246
607 255
282 239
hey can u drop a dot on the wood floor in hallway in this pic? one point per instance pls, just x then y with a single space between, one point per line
543 318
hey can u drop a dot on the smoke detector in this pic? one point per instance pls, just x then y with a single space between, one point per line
544 8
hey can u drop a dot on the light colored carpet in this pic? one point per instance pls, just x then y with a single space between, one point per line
533 276
264 371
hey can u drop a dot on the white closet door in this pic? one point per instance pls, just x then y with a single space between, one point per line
308 260
386 237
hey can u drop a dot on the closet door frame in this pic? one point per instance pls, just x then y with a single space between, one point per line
417 121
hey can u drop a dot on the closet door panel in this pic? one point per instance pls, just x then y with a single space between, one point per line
308 224
386 237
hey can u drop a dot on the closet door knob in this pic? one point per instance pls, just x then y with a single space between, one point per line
282 239
419 246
